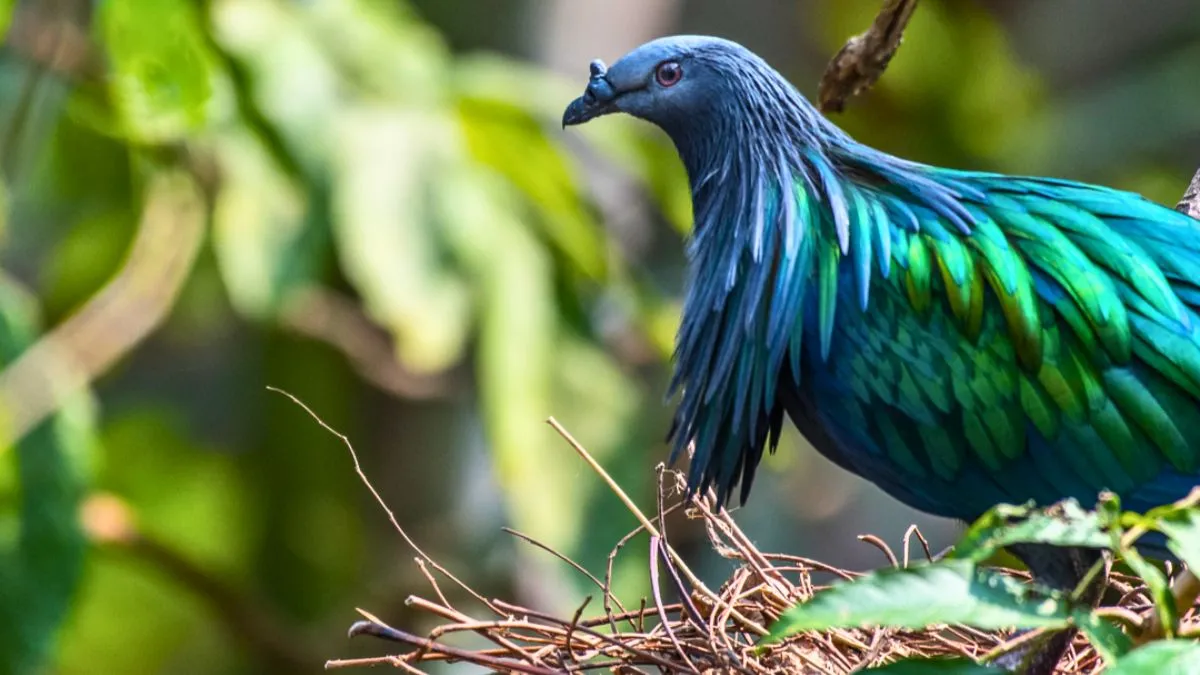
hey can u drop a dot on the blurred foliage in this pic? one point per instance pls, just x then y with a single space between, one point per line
401 235
957 589
41 541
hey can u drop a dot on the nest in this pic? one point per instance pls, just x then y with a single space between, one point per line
708 631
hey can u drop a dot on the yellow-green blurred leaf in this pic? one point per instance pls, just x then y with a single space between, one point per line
262 235
294 84
85 258
387 242
160 72
41 566
185 496
383 46
647 154
6 11
158 619
508 139
513 278
542 93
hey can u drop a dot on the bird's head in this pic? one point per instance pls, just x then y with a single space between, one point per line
674 82
713 97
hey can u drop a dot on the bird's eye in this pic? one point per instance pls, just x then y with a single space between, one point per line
668 73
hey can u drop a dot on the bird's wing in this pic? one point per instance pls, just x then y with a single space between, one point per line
1075 309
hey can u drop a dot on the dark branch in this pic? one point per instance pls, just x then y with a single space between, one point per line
1190 204
861 62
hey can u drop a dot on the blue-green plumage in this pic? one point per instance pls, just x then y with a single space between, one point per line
958 338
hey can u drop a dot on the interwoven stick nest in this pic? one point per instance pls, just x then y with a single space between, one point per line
706 632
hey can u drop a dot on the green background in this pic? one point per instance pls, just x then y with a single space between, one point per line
370 204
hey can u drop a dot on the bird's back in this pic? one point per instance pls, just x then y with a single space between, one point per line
1052 351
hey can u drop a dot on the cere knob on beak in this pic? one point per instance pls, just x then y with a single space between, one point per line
598 99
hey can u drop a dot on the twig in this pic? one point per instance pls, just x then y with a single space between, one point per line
84 346
1184 591
379 500
1190 204
574 565
648 657
860 63
574 624
655 556
396 635
882 546
913 530
324 315
675 557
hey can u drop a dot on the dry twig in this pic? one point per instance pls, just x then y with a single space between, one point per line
701 634
706 632
1190 204
861 62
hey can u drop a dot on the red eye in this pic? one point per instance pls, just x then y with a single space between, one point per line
668 73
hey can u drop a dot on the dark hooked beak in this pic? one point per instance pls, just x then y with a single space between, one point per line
598 99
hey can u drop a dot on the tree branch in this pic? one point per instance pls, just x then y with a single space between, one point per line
110 525
321 314
1190 204
130 307
860 63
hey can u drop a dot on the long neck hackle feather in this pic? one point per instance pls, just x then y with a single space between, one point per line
774 185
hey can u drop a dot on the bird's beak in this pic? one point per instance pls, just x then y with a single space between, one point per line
585 108
598 99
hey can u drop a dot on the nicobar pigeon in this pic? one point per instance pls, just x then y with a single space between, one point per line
959 338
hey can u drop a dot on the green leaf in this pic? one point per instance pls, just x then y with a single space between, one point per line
381 47
41 567
265 235
390 244
1183 535
512 278
293 85
955 591
1064 524
1163 657
956 666
161 72
3 204
6 12
1109 641
634 146
510 140
1110 515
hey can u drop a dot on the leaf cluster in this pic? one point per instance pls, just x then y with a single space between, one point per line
960 588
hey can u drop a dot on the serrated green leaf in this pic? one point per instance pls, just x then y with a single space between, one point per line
1163 657
957 666
266 239
955 591
161 74
389 244
1065 524
1183 535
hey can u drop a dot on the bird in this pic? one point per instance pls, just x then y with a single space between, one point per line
959 338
